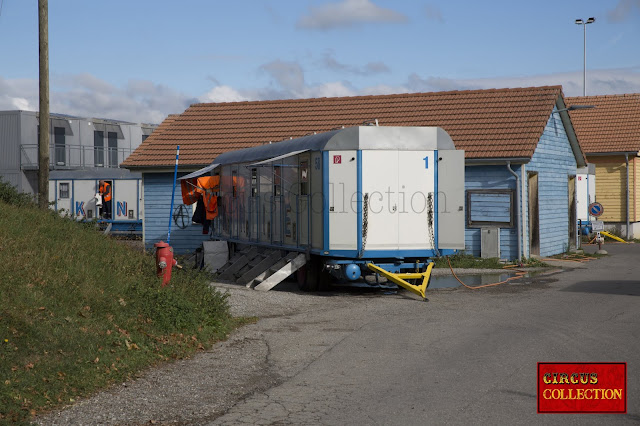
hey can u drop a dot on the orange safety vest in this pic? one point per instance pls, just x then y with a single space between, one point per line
205 186
105 191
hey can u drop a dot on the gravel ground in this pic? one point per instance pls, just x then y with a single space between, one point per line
294 330
200 389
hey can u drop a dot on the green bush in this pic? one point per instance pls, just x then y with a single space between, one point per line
10 195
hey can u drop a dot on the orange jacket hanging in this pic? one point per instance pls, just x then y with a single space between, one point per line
206 187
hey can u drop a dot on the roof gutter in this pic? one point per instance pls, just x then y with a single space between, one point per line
496 161
164 169
578 152
602 154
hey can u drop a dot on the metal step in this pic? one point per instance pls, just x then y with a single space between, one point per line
237 262
264 265
293 262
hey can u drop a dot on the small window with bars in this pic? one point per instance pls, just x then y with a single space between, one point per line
63 190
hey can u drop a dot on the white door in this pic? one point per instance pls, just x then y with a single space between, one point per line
380 184
342 190
415 187
63 195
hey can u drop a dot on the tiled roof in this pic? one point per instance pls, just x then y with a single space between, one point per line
612 126
494 123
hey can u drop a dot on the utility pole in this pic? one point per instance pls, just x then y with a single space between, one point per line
43 136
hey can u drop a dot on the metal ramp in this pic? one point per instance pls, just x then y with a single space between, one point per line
261 269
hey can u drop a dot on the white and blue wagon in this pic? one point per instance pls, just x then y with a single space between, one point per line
349 198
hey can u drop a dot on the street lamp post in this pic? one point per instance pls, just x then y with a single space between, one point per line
584 70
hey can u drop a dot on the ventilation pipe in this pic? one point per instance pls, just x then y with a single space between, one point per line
517 215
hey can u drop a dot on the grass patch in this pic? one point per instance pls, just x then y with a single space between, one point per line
462 260
80 311
467 261
532 262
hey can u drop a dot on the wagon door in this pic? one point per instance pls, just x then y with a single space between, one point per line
342 212
63 196
415 199
380 186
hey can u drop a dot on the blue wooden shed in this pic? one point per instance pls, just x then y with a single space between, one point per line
521 155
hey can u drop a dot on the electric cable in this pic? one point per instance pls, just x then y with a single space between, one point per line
519 274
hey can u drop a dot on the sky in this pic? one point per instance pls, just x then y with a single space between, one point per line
140 60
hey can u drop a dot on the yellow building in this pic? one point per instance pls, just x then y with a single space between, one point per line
609 134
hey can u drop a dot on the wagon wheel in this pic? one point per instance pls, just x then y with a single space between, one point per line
181 216
308 275
313 277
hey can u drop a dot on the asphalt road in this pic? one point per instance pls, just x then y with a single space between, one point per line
464 357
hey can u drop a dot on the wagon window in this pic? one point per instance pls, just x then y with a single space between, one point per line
277 175
254 182
490 207
304 178
234 179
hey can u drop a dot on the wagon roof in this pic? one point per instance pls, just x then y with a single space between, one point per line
612 126
486 124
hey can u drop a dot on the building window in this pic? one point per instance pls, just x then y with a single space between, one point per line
58 142
98 148
112 140
490 207
144 137
63 190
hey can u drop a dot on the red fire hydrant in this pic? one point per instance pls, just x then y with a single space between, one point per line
164 261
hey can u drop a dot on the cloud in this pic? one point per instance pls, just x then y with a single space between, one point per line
288 75
328 61
599 82
20 94
287 82
622 10
224 94
143 101
347 13
85 95
433 13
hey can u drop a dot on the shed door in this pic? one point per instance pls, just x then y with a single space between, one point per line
534 217
572 211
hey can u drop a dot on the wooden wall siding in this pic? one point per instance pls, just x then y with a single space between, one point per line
491 208
491 177
157 189
611 187
554 162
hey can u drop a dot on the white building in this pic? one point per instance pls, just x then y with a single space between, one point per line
76 143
